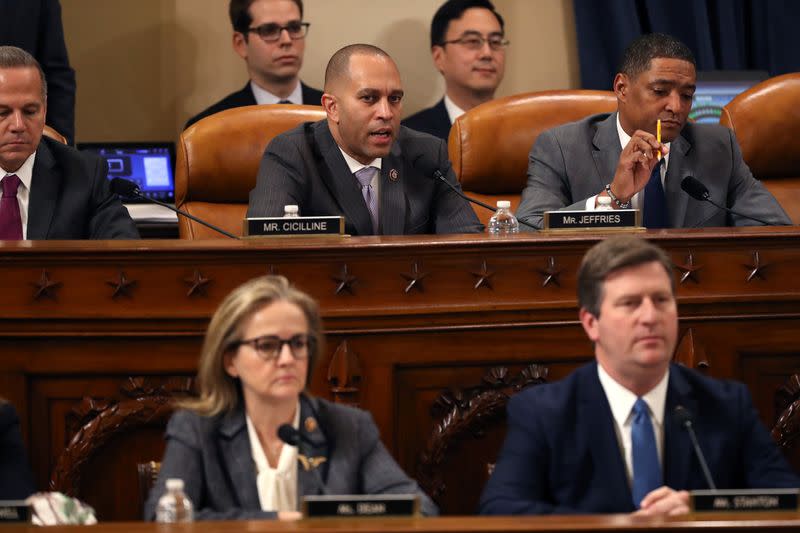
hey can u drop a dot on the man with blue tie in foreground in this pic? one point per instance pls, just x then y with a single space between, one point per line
619 154
609 438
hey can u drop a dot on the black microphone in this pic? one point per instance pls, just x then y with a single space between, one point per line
683 417
293 437
429 168
695 188
129 188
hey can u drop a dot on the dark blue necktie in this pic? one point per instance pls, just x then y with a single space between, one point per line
646 468
655 202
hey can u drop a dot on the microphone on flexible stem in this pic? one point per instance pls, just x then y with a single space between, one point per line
291 436
129 188
684 418
429 168
695 188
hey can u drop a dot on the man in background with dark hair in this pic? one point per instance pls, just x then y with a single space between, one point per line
609 438
468 46
617 154
270 36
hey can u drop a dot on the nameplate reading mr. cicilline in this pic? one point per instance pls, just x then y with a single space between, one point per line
579 220
269 226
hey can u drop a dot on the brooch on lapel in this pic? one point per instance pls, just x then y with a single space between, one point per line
393 175
310 463
310 424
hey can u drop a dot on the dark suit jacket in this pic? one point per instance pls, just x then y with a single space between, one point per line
246 97
561 453
571 163
70 197
35 26
304 166
16 479
433 120
213 457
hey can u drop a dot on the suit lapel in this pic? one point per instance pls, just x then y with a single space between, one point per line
606 152
45 187
678 454
677 200
238 458
341 183
392 191
310 457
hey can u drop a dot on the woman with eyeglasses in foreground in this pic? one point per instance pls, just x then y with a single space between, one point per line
259 351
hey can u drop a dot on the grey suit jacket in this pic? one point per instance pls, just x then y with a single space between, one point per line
571 163
212 455
304 166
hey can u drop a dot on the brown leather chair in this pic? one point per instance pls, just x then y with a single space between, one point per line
53 134
489 144
765 119
218 159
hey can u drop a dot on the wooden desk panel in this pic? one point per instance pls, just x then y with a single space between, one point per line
87 326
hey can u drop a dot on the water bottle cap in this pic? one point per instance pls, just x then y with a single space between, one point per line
290 209
503 204
174 484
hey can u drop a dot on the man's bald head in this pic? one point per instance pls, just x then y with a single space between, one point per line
339 65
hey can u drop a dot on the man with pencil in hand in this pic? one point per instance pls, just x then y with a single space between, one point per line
639 155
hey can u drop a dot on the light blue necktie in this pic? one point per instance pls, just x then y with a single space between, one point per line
646 468
364 177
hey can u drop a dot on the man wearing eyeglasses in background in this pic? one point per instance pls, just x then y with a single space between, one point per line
270 36
468 46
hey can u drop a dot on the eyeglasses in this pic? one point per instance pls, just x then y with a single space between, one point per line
269 347
476 42
271 32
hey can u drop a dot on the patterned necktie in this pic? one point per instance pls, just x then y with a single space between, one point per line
364 177
655 201
10 219
646 468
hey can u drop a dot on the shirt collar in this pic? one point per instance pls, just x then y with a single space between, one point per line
621 400
24 173
263 96
624 139
453 111
355 166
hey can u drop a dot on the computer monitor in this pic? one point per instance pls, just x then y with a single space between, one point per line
150 164
718 87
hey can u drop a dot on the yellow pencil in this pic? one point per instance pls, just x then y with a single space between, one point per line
658 136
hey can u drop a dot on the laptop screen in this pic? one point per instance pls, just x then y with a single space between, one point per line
716 88
150 164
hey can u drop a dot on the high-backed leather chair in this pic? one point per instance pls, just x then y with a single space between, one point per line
218 160
53 134
765 119
489 145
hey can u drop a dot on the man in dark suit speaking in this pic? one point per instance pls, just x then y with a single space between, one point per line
616 154
609 438
49 190
360 163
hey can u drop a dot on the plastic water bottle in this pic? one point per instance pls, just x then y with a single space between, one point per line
174 506
603 204
503 221
291 211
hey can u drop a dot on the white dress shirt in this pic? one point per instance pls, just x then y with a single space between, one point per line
355 166
263 96
25 175
621 401
453 111
277 487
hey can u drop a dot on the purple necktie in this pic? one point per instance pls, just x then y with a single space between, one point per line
10 219
364 177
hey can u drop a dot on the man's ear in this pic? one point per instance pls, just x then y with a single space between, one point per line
621 84
331 106
438 53
589 323
240 44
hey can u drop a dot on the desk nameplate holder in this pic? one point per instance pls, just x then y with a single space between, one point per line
14 511
349 505
617 219
744 500
290 226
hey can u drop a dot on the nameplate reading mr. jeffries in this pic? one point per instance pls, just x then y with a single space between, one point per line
577 220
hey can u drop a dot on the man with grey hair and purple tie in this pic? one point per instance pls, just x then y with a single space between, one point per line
359 162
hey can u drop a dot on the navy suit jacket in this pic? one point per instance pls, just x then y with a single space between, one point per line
305 167
16 479
213 457
433 120
70 197
245 97
561 453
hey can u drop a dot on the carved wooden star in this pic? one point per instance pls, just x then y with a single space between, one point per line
415 278
757 268
197 284
345 281
550 273
689 269
484 277
45 287
122 285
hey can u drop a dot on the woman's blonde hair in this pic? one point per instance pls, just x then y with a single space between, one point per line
219 391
